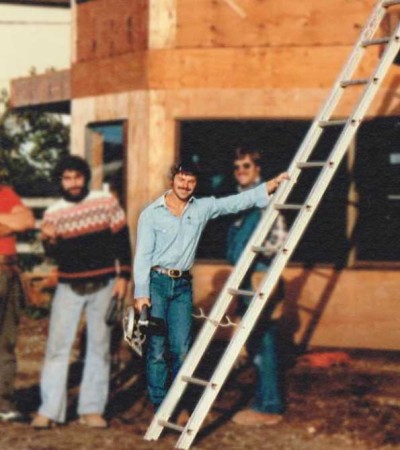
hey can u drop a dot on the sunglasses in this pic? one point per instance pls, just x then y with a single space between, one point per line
242 166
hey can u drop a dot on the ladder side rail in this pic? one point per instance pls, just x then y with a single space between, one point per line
315 131
336 92
179 386
386 60
358 114
227 361
262 296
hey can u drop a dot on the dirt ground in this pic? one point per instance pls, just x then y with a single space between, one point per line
354 406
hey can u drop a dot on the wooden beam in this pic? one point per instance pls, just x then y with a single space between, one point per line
280 67
96 152
212 68
162 23
110 75
162 144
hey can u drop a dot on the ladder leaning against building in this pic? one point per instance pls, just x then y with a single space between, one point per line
301 162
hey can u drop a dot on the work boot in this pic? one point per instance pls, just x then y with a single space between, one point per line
252 418
93 421
41 422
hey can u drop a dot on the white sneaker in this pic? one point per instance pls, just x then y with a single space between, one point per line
11 416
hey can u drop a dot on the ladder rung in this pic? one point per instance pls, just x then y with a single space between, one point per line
172 426
197 381
280 206
310 164
353 82
376 41
331 123
241 292
259 249
388 3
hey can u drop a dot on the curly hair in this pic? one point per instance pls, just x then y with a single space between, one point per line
72 162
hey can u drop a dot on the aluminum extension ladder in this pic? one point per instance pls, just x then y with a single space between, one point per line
260 297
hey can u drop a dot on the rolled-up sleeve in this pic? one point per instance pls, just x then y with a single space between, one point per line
257 197
143 257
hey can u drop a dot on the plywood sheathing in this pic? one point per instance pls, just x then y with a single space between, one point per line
322 307
106 29
256 23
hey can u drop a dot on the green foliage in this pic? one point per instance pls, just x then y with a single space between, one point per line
31 143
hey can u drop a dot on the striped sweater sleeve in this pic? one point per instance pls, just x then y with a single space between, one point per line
121 242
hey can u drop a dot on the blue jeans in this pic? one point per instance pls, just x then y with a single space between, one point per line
171 302
64 320
262 347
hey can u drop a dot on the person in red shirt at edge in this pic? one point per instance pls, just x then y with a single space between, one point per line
14 217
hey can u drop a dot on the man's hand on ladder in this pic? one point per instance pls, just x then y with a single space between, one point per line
272 185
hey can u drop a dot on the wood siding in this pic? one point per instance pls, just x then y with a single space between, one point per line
110 28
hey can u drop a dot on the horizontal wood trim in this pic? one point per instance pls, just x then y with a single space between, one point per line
289 67
110 75
248 68
46 89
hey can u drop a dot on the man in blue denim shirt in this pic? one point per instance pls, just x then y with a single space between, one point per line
168 233
268 405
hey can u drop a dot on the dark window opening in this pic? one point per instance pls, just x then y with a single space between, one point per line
212 143
106 152
377 178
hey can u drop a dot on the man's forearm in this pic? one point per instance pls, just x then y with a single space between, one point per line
5 230
20 220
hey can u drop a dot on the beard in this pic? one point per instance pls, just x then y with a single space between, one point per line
74 198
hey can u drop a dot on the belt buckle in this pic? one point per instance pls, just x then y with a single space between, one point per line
174 273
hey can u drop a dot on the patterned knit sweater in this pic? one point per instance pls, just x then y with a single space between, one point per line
93 238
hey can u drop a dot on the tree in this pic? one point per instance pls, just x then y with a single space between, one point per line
31 143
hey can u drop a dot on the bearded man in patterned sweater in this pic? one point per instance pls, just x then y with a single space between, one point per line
87 234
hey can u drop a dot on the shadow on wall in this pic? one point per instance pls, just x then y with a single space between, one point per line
298 322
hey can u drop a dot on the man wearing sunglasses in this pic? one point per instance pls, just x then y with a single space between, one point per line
267 407
168 234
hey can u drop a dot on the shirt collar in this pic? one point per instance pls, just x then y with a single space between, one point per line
161 200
